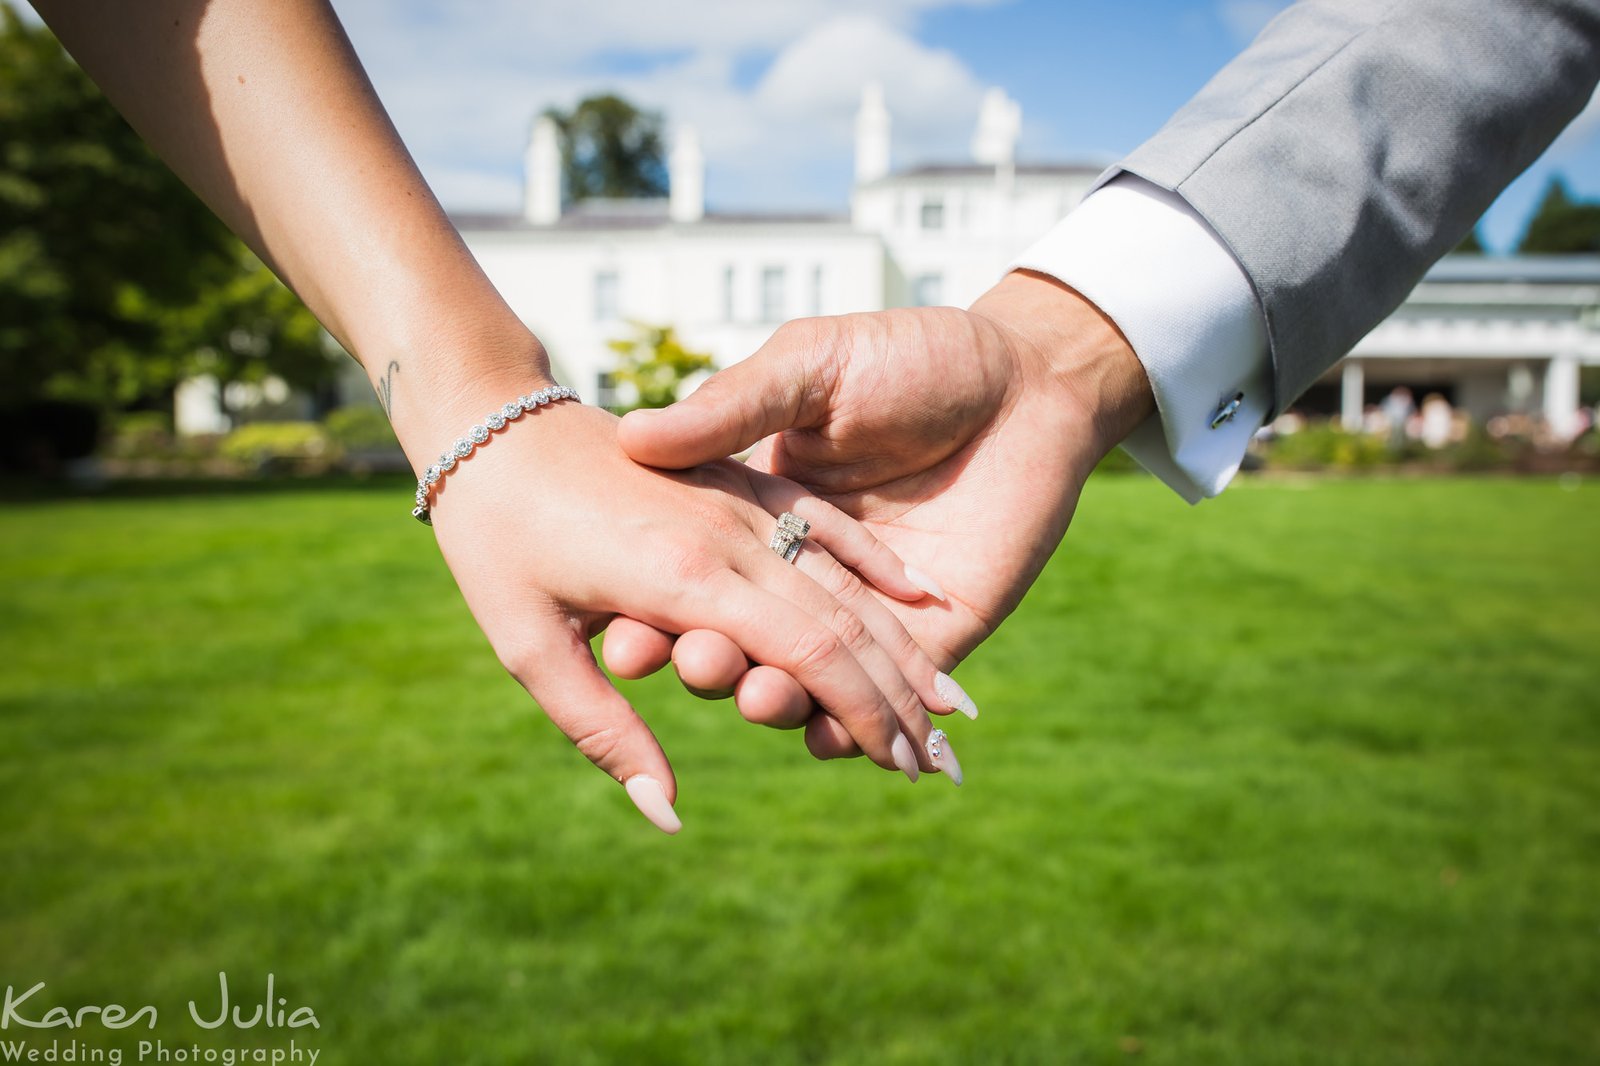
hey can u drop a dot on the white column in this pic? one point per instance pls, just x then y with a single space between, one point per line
541 195
1519 388
1561 397
872 135
999 125
686 177
197 407
1352 396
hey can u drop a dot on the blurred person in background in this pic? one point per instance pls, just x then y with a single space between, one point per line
1398 408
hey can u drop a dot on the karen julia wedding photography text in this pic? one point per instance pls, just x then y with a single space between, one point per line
269 1012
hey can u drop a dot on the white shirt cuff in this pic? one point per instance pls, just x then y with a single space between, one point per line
1146 259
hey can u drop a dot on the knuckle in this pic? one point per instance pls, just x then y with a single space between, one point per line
725 526
814 649
815 511
688 564
878 551
794 333
599 744
841 584
853 632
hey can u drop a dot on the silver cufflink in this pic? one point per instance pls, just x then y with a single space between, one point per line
1227 410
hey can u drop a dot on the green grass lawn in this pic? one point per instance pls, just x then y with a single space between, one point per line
1309 774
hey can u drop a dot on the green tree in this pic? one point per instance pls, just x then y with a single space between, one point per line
611 148
115 281
1562 224
656 363
245 326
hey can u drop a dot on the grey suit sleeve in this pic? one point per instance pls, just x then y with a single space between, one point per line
1356 141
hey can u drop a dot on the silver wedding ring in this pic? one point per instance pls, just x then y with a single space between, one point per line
790 534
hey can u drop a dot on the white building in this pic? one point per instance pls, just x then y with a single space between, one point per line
928 235
1492 334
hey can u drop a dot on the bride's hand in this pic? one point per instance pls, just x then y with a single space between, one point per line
551 531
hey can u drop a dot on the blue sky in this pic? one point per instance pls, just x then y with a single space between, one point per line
1103 80
771 87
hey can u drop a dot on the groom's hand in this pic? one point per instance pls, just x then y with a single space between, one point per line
961 438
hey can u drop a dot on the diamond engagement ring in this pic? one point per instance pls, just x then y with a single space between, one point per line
789 535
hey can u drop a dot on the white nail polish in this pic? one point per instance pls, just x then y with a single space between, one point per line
925 583
651 799
944 756
954 696
904 757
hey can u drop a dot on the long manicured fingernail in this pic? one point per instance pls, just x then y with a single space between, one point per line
954 696
925 583
651 799
943 755
904 757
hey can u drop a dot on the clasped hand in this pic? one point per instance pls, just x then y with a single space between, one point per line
552 532
958 440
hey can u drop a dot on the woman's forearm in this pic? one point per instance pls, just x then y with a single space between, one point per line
265 111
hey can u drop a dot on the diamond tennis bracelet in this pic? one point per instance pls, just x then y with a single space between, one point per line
478 435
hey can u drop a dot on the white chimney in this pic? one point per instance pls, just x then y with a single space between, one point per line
999 124
686 177
872 135
541 194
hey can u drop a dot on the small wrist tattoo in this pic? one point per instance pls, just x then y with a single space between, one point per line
386 388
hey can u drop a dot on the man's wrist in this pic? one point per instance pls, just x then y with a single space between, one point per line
1066 345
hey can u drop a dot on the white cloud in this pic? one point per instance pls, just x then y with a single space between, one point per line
462 88
555 33
1246 18
462 83
819 78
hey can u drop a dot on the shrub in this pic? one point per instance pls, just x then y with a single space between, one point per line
1480 451
1319 446
656 363
360 429
141 435
276 446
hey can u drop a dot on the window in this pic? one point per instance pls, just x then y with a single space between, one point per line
606 296
727 294
927 290
816 291
933 214
772 301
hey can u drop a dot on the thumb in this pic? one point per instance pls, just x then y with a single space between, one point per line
777 388
577 696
